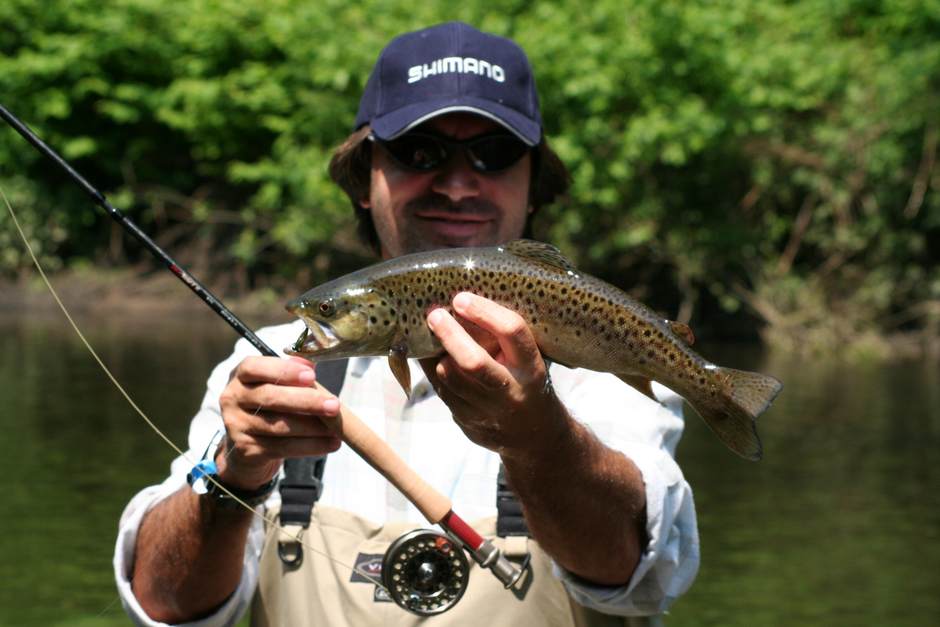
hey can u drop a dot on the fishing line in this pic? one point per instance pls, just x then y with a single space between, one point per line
270 520
435 506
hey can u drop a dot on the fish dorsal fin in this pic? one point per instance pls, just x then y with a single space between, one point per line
682 331
540 252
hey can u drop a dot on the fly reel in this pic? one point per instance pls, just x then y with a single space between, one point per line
425 572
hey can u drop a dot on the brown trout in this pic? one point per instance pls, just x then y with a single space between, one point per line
577 320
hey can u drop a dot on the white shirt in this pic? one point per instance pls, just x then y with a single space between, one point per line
422 432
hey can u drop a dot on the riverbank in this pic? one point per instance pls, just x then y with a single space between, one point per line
133 293
158 293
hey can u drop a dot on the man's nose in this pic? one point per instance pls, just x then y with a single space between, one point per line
456 179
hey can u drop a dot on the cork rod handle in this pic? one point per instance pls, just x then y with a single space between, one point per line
363 440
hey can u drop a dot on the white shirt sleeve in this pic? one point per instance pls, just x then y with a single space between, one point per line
204 426
647 432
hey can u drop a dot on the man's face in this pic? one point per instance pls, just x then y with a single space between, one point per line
451 206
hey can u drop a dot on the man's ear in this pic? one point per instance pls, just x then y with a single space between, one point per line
365 203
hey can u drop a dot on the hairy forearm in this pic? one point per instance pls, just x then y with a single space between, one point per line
583 502
189 556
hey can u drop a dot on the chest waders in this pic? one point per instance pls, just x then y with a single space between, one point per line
298 588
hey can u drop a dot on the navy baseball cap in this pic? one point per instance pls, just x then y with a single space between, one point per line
448 68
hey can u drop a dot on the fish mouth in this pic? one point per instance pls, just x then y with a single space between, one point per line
317 337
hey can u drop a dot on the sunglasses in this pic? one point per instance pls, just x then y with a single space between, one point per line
425 152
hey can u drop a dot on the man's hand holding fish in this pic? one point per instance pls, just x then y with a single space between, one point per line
502 399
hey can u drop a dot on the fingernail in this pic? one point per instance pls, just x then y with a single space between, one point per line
462 300
435 317
307 377
331 405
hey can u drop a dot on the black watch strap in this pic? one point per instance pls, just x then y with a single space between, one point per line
225 500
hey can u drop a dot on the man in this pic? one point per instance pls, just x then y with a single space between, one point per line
448 151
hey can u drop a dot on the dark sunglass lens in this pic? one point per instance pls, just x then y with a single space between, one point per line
417 151
498 152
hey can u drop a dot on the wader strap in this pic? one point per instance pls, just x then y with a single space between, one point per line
302 483
509 520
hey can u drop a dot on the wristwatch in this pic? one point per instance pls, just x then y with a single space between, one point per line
204 480
251 498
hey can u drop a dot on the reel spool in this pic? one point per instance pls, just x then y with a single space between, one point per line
425 572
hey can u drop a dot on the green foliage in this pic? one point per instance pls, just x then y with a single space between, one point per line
779 155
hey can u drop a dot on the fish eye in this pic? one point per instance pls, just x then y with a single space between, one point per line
326 307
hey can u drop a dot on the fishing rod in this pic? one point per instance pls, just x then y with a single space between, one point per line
128 225
417 548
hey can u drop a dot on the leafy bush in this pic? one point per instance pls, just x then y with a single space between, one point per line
781 155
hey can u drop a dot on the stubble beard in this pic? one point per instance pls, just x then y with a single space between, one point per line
415 235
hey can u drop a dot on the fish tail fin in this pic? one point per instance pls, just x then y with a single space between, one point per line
743 396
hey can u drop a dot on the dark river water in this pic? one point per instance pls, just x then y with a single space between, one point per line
838 525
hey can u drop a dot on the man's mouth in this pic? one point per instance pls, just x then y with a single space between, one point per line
449 224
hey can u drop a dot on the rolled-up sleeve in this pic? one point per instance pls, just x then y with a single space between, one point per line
202 429
647 433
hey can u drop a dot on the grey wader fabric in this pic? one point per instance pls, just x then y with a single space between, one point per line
325 592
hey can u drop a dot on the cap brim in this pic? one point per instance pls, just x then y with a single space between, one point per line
394 123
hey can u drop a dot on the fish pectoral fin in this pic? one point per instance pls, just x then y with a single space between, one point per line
682 331
398 362
639 383
551 360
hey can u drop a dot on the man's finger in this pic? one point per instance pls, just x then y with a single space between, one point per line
288 399
469 356
280 448
293 371
509 328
